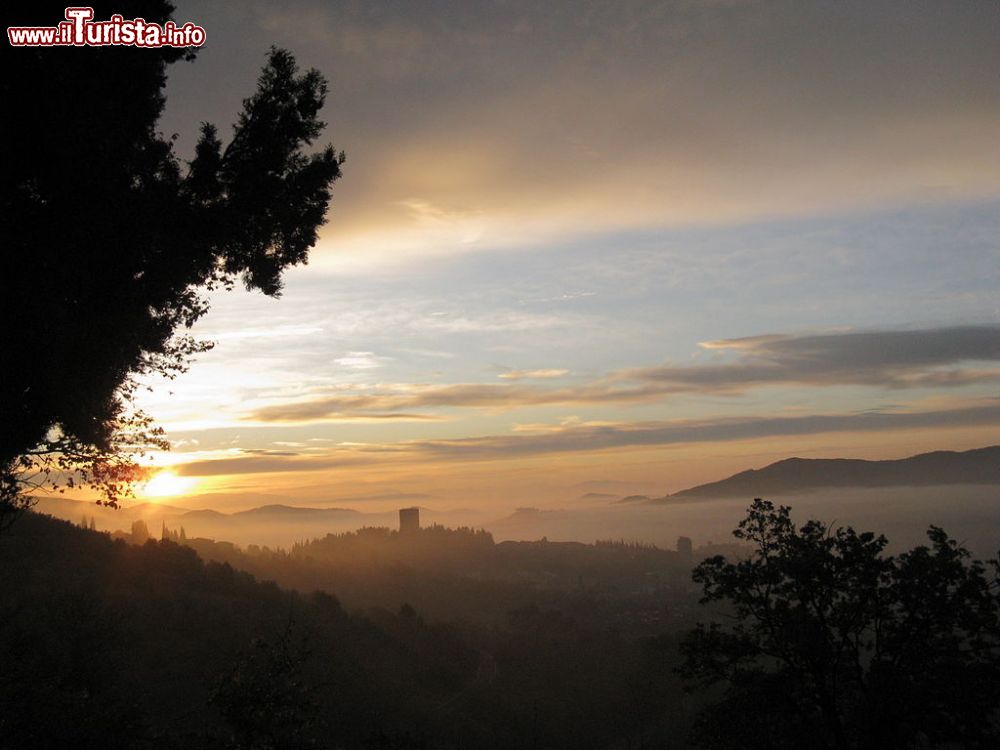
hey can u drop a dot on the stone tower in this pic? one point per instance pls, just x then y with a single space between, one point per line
409 520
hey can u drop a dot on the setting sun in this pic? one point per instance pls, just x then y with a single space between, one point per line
167 484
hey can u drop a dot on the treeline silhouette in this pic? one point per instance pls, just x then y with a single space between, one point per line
462 574
148 646
445 639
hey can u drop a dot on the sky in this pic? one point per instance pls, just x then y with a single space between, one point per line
618 247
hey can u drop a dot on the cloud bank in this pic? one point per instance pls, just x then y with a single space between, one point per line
949 357
571 437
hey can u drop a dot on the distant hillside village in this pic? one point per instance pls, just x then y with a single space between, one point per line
430 545
439 569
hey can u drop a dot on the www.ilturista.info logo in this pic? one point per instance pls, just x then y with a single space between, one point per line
80 30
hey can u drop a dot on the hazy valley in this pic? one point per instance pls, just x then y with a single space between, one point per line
969 511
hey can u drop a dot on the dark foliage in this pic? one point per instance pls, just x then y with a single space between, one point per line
461 574
834 644
264 698
109 645
109 238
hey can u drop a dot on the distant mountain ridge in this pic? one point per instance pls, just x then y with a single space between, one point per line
278 510
272 524
978 466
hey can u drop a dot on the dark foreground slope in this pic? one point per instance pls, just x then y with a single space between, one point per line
109 645
980 466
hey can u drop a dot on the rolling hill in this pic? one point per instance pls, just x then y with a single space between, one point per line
979 466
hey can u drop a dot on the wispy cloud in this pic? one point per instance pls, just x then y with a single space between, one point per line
302 414
892 359
359 361
937 357
566 297
267 464
532 374
575 436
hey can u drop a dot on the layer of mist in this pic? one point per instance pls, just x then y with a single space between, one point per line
969 513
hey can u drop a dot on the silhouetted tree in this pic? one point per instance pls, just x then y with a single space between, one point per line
833 644
109 238
140 532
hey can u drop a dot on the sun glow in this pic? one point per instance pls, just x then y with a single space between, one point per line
167 484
